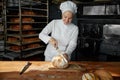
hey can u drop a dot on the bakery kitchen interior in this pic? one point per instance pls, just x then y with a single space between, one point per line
21 21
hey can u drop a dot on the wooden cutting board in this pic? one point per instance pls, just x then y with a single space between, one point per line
71 67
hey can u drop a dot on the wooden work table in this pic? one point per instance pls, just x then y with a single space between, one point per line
41 70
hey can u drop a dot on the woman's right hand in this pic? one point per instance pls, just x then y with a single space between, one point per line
53 42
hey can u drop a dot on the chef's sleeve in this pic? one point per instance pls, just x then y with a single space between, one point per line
73 42
44 34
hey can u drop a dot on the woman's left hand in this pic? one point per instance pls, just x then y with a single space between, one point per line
66 56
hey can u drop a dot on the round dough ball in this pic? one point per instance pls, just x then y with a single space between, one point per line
60 61
103 74
89 76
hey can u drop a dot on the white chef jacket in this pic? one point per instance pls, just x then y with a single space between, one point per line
66 36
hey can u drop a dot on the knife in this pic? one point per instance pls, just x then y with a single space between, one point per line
25 68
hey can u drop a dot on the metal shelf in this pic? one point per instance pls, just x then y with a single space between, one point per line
24 50
34 29
24 35
40 16
99 21
19 43
27 22
13 56
40 19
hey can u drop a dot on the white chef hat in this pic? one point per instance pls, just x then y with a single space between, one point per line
68 6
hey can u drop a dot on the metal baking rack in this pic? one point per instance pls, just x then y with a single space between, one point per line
15 13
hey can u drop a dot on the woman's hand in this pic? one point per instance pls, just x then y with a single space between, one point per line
53 42
66 56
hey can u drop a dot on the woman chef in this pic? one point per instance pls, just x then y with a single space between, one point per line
64 34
